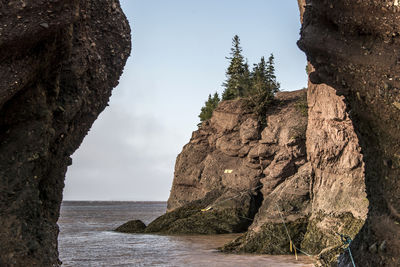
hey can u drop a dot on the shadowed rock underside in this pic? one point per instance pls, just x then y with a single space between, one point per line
59 61
354 47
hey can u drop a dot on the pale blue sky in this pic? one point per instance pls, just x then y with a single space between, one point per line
178 58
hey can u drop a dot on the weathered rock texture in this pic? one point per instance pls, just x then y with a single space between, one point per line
285 184
227 162
59 61
339 202
223 143
134 226
287 201
279 180
323 197
231 212
220 167
355 49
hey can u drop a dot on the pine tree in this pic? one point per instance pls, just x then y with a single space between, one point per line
238 75
259 77
263 88
258 86
270 74
246 80
209 106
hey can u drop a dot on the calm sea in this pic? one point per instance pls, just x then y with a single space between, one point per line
86 239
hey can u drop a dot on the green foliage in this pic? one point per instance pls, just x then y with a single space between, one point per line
302 105
238 74
263 88
210 105
271 78
258 86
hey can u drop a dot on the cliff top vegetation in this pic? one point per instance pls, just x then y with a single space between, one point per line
257 87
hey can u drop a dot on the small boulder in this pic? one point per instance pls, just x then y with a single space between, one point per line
133 226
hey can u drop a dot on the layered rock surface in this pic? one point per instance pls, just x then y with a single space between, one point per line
230 163
59 61
324 197
339 203
355 49
302 175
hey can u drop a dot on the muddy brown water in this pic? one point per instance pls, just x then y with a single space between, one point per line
86 239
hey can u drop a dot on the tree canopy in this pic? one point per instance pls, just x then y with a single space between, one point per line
263 87
258 87
238 75
209 106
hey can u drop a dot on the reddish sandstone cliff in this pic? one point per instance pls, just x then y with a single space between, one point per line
303 172
230 164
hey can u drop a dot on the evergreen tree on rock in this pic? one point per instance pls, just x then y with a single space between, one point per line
270 74
238 75
263 87
209 106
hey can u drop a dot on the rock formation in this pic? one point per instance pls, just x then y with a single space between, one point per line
230 163
354 47
216 171
319 191
324 197
303 173
59 61
339 198
133 226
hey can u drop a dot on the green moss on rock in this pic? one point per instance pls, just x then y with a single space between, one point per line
329 256
271 239
190 219
134 226
327 243
317 239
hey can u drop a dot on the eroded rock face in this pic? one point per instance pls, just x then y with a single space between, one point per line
59 61
227 162
339 202
288 201
211 161
323 197
230 151
355 49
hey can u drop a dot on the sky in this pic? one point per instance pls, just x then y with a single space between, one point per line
179 50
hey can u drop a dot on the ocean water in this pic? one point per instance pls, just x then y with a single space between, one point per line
86 239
